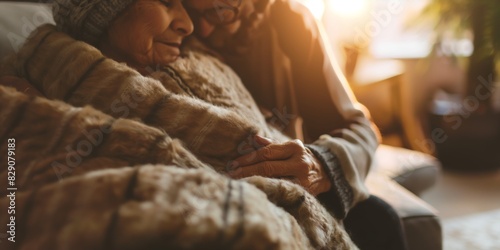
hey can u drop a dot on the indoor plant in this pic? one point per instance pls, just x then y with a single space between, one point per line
472 131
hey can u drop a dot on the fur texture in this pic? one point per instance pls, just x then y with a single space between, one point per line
105 203
55 140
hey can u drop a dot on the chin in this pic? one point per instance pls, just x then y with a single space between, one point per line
169 59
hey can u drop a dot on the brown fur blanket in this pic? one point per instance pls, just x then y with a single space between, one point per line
113 198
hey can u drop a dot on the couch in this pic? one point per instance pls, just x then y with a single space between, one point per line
398 175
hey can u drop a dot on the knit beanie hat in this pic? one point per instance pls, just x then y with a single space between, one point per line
87 20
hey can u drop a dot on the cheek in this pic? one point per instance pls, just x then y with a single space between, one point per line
139 38
149 27
131 44
129 34
134 35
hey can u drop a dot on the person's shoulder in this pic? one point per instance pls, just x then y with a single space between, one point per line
198 59
193 45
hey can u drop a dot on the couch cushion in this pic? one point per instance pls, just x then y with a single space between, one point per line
17 21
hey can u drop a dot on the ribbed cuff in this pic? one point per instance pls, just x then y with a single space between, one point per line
339 198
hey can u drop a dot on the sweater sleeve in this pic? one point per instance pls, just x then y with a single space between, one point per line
340 192
347 139
77 73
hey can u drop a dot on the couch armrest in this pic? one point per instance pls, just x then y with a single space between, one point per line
420 221
413 170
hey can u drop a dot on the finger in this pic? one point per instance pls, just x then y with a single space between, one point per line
262 141
272 152
272 169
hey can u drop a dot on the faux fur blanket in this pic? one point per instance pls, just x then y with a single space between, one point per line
114 198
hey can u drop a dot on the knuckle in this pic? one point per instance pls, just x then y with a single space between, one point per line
296 145
266 153
250 157
304 161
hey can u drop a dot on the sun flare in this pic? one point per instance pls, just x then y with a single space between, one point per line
317 7
348 8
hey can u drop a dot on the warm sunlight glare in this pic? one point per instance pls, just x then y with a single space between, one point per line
348 8
317 7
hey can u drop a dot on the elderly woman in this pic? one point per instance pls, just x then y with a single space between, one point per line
128 59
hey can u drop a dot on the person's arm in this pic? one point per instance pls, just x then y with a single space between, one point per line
347 137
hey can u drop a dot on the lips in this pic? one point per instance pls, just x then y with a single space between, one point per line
173 44
173 47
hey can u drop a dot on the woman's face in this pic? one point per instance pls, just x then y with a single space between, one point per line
148 33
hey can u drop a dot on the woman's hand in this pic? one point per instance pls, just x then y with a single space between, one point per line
290 160
19 84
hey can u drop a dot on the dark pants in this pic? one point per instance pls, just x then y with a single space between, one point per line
374 225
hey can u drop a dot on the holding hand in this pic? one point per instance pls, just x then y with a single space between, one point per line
290 160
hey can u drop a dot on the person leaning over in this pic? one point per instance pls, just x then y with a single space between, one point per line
283 57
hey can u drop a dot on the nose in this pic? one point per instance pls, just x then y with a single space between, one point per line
182 23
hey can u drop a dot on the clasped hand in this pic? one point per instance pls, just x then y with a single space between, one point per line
290 160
